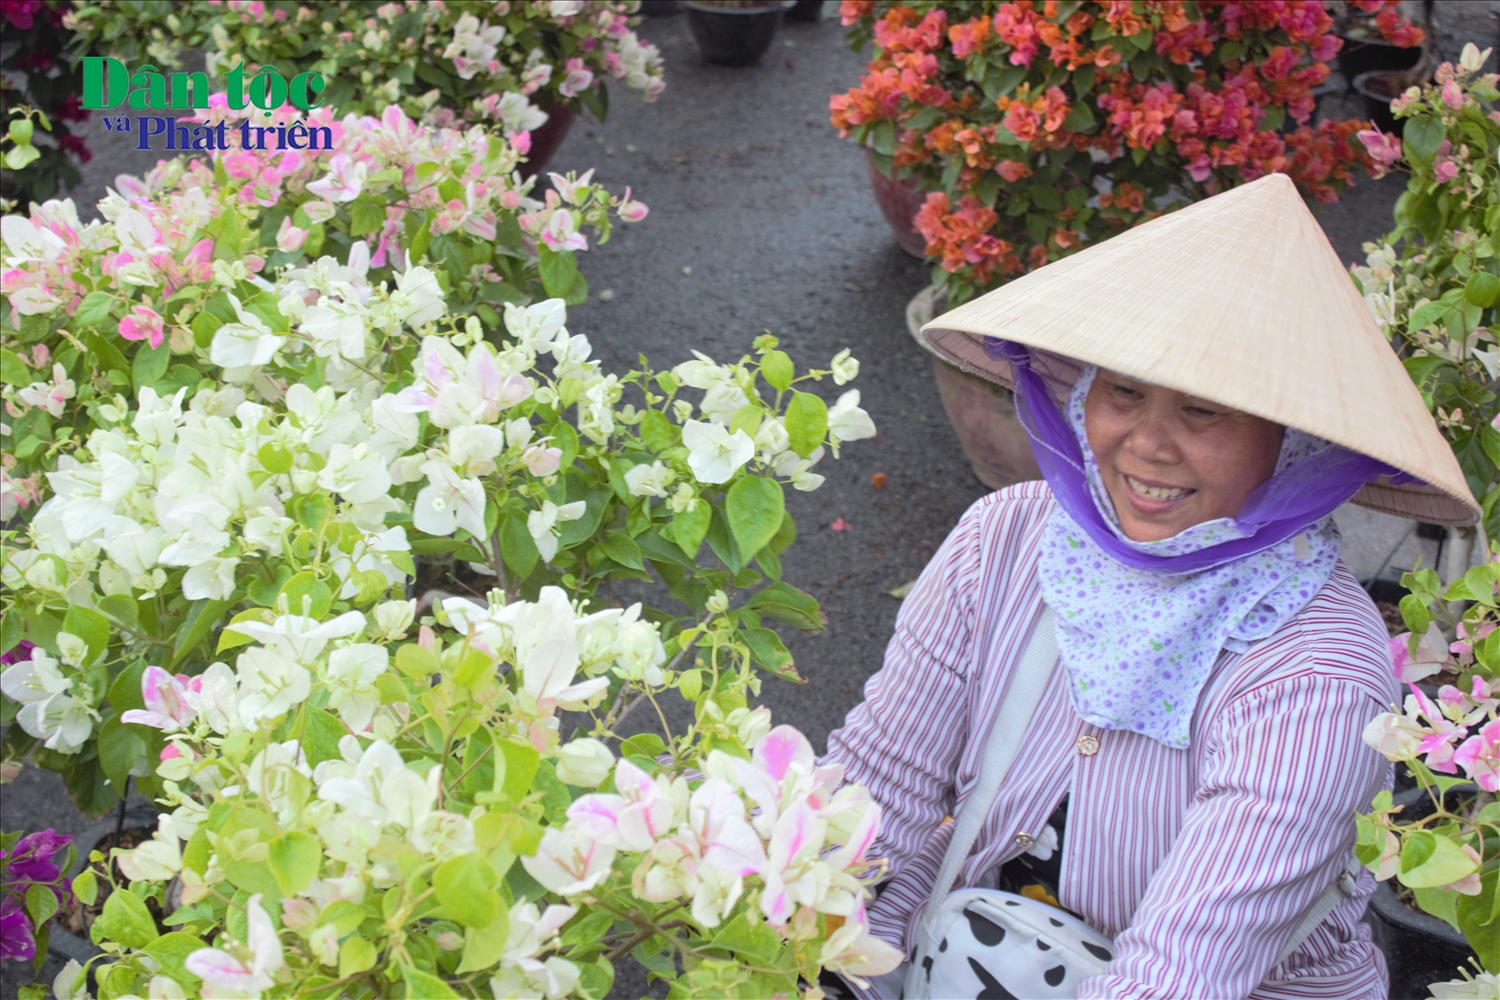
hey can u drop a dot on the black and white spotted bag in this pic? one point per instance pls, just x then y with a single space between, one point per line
994 945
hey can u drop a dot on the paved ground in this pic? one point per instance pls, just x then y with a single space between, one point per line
761 219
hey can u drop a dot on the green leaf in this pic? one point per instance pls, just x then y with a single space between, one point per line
86 886
806 422
754 943
90 626
365 216
14 371
1429 860
125 920
1441 903
521 762
201 618
658 432
465 886
417 662
754 507
483 946
94 308
620 547
355 956
690 526
119 749
120 608
1422 137
229 638
275 458
560 277
306 595
41 903
171 951
150 364
1481 289
1476 918
295 858
778 370
1080 118
767 649
517 547
423 986
786 603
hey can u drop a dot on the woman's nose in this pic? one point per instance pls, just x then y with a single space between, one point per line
1152 440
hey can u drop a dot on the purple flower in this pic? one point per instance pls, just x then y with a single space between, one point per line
31 860
22 651
16 942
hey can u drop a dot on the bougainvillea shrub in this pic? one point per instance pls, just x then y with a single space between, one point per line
1038 128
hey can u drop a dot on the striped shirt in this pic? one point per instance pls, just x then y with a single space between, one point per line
1201 862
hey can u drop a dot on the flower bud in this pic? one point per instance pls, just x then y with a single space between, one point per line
585 762
393 618
718 603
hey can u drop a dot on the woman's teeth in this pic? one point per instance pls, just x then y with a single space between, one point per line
1156 492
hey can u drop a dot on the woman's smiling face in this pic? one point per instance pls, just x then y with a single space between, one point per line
1170 460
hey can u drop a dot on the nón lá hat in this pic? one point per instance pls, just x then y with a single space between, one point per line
1238 299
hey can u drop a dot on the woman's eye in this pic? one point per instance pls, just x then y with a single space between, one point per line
1201 411
1126 392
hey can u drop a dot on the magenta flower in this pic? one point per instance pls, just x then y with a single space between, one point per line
29 863
16 941
1384 148
143 323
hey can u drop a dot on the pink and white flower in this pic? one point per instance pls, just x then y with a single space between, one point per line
171 702
1479 755
143 323
245 970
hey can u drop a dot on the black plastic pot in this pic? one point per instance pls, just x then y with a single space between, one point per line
1419 948
1366 55
805 10
658 8
65 943
1376 88
735 36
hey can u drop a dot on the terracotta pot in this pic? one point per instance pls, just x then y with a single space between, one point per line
981 412
899 202
546 140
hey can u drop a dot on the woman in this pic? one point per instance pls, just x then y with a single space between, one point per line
1183 384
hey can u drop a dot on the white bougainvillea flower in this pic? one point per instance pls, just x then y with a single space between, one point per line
171 702
855 952
246 970
218 698
299 638
270 685
799 469
847 422
714 454
383 789
418 299
50 396
48 710
547 671
246 342
584 762
567 863
536 325
649 480
336 327
449 502
158 859
355 473
212 578
351 676
542 524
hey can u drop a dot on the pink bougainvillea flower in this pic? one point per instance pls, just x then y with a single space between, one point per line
1479 755
289 238
1444 171
561 233
1383 147
171 702
1453 95
1430 657
143 323
578 78
631 210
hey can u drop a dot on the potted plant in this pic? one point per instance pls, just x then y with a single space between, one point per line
1436 841
200 326
519 66
735 32
1432 283
357 796
1036 130
50 85
1375 40
982 414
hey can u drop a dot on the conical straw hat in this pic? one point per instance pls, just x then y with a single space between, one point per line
1238 299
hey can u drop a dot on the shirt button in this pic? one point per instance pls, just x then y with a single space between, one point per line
1088 745
1025 841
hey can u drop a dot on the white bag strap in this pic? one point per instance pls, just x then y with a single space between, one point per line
1327 900
1001 747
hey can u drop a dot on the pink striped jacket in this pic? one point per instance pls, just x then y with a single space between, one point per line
1199 862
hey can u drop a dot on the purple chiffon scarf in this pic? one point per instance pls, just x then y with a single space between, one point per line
1141 624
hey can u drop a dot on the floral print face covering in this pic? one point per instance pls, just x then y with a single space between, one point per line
1140 643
